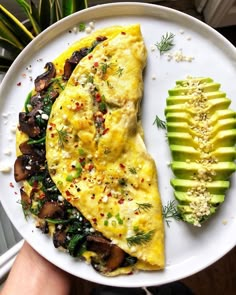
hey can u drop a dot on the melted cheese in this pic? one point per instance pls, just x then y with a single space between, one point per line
95 150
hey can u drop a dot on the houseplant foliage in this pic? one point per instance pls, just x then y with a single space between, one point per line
14 35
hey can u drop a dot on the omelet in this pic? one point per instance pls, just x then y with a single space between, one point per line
88 178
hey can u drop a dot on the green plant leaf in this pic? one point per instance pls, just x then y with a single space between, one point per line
5 63
9 46
44 14
27 8
12 28
56 13
71 6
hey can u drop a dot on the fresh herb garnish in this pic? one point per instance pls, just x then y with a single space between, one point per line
82 27
140 238
119 71
144 206
166 43
170 211
159 123
132 170
62 137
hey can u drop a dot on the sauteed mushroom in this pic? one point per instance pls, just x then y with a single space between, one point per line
51 210
43 81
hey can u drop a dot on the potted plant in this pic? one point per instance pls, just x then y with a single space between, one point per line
14 35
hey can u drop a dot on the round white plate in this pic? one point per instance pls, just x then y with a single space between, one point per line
188 249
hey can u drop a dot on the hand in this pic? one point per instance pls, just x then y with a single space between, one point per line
33 274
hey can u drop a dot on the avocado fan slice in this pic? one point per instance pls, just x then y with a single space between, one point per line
201 131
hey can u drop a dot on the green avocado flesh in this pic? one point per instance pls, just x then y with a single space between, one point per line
201 131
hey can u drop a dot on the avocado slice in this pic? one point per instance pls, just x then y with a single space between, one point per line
181 99
201 131
184 153
190 170
184 198
214 187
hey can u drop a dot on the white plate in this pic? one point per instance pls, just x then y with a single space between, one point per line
188 249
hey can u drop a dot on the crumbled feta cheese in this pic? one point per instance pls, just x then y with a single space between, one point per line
44 116
60 198
88 30
4 167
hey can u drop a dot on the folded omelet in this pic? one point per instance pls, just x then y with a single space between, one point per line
101 166
96 190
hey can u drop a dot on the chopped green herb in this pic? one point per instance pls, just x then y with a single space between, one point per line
109 215
81 152
122 181
170 211
119 72
159 123
106 222
144 206
166 43
69 177
82 27
132 170
62 137
140 238
120 221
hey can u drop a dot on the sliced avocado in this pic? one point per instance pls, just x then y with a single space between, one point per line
224 138
200 80
177 127
224 154
181 138
220 115
179 117
214 187
184 153
224 124
180 99
191 170
201 131
206 87
184 198
218 104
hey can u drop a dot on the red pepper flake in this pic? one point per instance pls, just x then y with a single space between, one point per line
98 97
102 214
52 124
90 167
52 135
11 184
78 106
136 212
90 56
105 131
68 193
68 199
95 64
123 33
50 128
142 180
15 193
94 220
109 194
72 185
122 166
121 201
93 197
84 178
18 84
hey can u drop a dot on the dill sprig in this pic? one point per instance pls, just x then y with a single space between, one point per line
144 206
159 123
140 238
62 137
119 71
166 43
170 211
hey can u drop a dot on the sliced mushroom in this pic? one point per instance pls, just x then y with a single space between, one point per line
115 259
109 256
59 239
30 149
36 101
22 168
51 210
71 63
99 245
44 80
28 124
